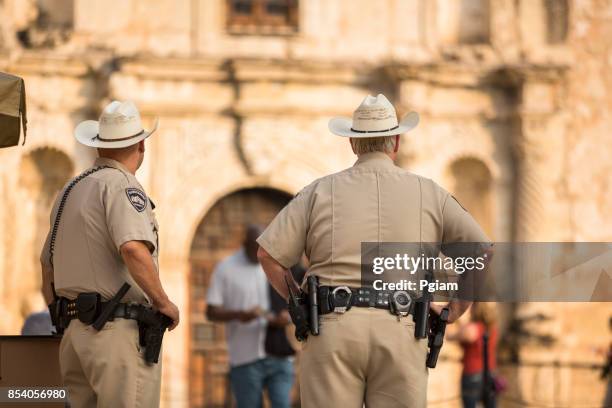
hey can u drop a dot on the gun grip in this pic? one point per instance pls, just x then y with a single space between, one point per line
432 357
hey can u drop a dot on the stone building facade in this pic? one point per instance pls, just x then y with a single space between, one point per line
516 110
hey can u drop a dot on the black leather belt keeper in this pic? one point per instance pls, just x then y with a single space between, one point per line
339 299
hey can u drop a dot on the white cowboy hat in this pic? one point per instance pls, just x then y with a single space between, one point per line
119 126
373 118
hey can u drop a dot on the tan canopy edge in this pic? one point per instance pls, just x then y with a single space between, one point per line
12 110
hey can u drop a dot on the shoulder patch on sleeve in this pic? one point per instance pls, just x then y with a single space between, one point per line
137 198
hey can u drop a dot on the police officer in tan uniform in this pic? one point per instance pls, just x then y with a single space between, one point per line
107 235
364 354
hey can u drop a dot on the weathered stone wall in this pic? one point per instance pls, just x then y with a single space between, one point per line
501 83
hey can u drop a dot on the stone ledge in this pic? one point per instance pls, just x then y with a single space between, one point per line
175 68
462 75
46 63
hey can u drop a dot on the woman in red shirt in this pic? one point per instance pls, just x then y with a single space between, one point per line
470 336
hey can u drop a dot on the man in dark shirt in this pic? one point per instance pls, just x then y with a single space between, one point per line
278 348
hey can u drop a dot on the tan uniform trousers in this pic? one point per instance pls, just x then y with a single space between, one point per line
364 356
106 369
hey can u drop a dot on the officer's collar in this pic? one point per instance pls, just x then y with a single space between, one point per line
375 159
105 161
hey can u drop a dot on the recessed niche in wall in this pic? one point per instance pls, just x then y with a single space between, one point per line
557 19
463 21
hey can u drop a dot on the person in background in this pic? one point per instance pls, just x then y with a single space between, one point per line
470 336
239 297
278 347
37 317
37 324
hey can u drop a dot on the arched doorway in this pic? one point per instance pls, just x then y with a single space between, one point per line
471 184
42 173
218 235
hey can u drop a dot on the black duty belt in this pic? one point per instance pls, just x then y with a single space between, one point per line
339 299
122 311
89 308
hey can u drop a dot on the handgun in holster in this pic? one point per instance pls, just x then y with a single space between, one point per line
297 306
436 336
152 326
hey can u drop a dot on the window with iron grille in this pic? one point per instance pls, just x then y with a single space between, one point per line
262 16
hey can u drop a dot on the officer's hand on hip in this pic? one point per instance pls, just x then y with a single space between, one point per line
170 310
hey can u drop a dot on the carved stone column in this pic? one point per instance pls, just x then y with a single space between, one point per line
529 152
537 144
537 140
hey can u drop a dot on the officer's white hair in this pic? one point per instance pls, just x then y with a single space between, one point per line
363 145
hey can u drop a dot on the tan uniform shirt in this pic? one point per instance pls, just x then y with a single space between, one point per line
373 201
103 211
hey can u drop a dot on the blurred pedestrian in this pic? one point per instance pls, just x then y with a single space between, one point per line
239 297
279 349
37 324
483 321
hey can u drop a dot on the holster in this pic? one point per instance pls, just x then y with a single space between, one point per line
86 306
421 317
55 311
298 310
151 328
313 304
436 336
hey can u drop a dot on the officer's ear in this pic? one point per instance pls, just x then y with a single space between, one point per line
141 146
396 148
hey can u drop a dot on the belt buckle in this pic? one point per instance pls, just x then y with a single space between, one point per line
339 307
